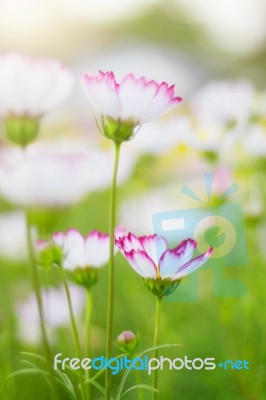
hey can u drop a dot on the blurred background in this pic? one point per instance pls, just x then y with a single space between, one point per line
215 54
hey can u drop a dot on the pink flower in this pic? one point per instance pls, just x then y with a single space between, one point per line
83 252
131 102
150 257
30 87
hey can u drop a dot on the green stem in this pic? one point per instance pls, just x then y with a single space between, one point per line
110 311
88 336
138 380
37 289
75 333
155 343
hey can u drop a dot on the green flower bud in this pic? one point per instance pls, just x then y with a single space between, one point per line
49 254
127 341
21 130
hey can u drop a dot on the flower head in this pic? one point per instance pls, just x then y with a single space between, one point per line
29 89
128 104
81 255
55 174
162 268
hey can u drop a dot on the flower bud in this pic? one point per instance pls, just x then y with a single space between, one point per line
127 341
21 130
48 254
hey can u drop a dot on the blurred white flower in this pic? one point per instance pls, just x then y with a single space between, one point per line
53 176
32 87
91 251
13 242
254 141
164 135
224 103
212 138
55 310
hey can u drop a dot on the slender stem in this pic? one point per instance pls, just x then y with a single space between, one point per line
155 343
88 336
110 311
138 380
74 332
37 288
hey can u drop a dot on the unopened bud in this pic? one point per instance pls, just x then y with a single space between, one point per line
127 341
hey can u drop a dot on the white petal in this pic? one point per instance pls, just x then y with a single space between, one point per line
97 247
74 250
164 101
192 265
136 96
102 93
154 246
141 263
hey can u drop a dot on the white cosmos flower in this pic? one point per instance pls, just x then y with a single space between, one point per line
134 99
32 87
224 102
83 252
50 175
56 312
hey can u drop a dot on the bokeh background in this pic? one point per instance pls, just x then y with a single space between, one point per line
215 54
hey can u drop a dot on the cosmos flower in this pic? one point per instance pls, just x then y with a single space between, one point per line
82 252
228 104
56 174
30 89
162 267
80 255
128 104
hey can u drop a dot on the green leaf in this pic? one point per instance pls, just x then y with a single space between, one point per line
146 387
33 355
123 380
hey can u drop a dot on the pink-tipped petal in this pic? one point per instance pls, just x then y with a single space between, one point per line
136 96
185 250
97 249
59 238
141 263
154 246
163 102
41 244
129 242
101 90
120 232
193 265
